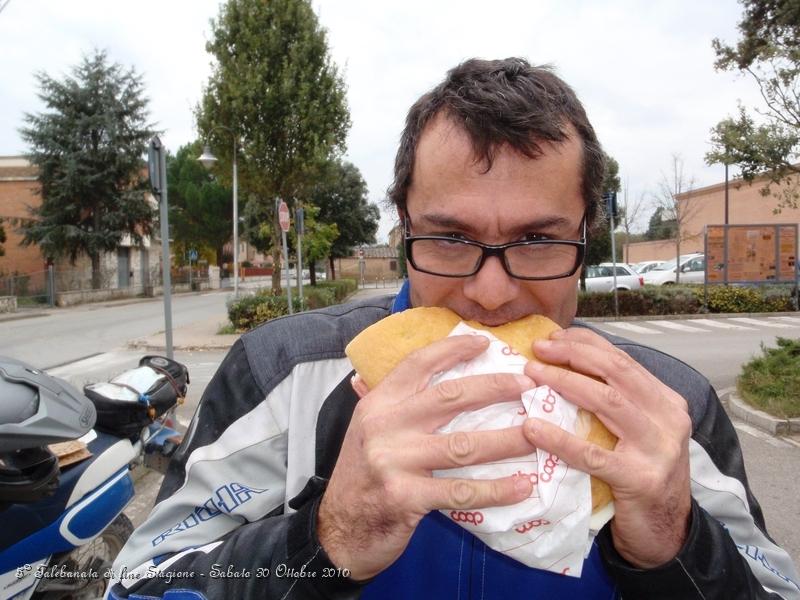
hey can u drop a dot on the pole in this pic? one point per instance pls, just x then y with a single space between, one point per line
51 284
300 226
167 277
235 225
614 262
190 270
286 270
726 193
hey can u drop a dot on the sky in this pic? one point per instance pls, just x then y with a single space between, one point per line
644 70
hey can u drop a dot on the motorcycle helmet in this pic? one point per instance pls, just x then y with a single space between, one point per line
35 410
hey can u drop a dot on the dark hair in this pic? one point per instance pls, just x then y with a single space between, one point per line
499 102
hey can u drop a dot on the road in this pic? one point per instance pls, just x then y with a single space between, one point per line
88 344
67 335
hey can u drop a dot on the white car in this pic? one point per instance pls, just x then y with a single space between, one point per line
600 278
692 270
647 265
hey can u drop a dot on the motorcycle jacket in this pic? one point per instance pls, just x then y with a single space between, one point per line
236 513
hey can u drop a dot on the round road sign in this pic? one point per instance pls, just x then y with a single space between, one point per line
283 216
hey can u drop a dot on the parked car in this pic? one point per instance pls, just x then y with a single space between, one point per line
647 265
600 278
692 268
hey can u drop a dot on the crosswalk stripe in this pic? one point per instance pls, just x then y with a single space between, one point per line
678 326
763 323
634 328
793 320
720 324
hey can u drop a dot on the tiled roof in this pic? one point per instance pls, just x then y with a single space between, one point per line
377 252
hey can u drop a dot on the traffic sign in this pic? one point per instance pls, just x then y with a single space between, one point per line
283 216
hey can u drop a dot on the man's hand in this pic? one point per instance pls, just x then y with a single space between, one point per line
382 486
648 471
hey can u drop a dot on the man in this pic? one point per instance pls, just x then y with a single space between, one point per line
296 481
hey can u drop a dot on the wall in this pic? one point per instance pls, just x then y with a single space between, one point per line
375 269
18 190
706 206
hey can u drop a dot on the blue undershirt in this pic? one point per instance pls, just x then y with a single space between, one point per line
444 560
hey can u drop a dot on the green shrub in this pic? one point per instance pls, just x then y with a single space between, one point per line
738 299
687 299
772 382
318 296
650 300
342 288
250 311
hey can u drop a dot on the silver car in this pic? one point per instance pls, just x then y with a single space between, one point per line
600 278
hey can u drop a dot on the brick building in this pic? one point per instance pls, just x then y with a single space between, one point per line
132 266
18 190
706 206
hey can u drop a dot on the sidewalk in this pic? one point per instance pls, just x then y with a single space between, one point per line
202 335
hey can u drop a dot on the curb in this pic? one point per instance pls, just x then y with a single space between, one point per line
149 346
21 316
758 418
686 317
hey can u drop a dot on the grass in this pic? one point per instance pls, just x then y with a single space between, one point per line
226 329
771 382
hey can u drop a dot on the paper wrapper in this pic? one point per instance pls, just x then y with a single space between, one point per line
550 530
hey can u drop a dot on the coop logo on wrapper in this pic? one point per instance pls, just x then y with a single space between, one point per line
550 529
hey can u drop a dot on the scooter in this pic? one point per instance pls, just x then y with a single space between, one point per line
65 471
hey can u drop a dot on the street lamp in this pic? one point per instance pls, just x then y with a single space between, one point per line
208 160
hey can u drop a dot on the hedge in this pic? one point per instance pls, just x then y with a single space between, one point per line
248 312
687 299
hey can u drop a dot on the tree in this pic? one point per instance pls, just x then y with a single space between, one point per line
674 208
768 51
629 211
660 228
201 213
318 239
88 147
342 196
276 92
2 238
598 247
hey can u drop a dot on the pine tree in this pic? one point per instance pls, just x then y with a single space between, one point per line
88 146
201 212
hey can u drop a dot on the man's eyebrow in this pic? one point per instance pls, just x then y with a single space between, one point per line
544 223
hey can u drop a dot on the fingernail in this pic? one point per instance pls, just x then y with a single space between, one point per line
535 365
558 333
525 382
522 485
543 344
531 426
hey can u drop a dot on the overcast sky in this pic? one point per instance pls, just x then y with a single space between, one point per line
644 70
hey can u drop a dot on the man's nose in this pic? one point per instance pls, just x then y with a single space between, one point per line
491 287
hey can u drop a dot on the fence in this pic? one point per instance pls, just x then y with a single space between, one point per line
64 287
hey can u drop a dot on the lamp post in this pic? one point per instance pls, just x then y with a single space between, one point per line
208 160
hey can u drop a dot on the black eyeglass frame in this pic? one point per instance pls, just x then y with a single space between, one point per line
498 250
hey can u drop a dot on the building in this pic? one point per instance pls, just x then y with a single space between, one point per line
706 206
132 268
18 190
379 263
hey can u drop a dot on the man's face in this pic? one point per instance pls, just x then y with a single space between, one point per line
451 194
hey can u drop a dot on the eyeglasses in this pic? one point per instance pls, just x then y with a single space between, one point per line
528 259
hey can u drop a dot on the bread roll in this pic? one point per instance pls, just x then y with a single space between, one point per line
377 350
